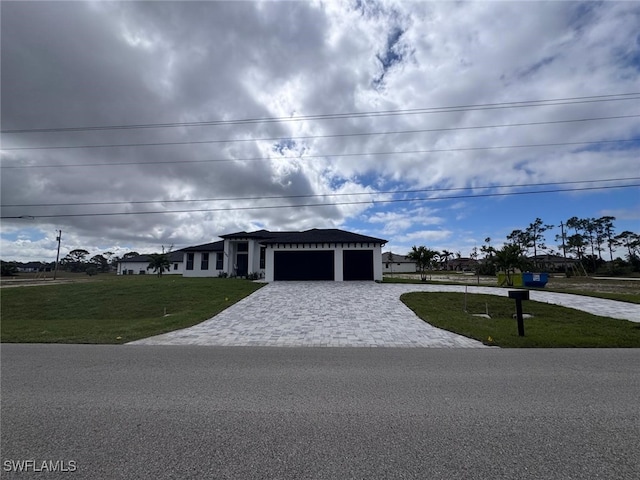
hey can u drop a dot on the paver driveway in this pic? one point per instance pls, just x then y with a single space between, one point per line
349 314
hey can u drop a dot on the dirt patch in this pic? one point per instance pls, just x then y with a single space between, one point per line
30 282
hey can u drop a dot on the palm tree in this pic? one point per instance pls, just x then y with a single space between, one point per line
508 258
423 257
159 263
445 256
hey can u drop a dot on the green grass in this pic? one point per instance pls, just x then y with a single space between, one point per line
114 309
629 295
551 326
619 296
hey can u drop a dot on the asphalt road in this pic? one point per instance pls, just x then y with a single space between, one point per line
249 412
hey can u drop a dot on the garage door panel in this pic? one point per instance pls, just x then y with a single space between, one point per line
301 265
357 264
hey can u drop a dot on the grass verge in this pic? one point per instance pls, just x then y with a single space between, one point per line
551 326
632 295
115 309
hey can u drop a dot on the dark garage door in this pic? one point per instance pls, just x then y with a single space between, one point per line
358 264
312 265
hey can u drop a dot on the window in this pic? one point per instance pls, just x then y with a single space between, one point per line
263 251
243 247
189 261
175 266
204 261
219 259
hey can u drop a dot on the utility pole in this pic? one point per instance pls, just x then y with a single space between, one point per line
564 250
58 238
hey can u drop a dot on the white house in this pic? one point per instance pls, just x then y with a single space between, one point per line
138 265
394 263
316 254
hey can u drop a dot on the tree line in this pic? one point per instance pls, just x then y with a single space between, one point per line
78 261
582 240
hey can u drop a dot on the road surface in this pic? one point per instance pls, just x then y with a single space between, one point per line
319 413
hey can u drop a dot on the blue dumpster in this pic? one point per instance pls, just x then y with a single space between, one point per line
534 279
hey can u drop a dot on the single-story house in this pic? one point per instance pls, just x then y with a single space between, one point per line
31 267
316 254
139 264
552 263
395 263
462 264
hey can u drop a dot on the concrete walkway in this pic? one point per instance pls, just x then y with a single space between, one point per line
349 314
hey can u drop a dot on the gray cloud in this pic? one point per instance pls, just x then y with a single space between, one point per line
68 64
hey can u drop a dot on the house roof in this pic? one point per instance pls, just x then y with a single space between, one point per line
396 258
257 235
206 247
174 257
316 235
31 265
551 258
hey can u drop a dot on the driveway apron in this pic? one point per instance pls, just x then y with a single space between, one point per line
348 314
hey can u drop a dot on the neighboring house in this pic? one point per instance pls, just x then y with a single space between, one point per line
317 254
394 263
552 263
138 265
462 264
31 267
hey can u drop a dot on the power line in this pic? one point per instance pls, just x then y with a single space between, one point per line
334 116
283 197
304 157
312 137
266 207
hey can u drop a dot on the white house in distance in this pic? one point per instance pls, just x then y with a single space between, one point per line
316 254
395 263
138 265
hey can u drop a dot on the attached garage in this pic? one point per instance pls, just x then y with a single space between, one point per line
304 265
357 264
328 254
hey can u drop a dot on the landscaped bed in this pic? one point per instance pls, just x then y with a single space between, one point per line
550 326
114 309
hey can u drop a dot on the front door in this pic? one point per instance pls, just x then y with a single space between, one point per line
242 263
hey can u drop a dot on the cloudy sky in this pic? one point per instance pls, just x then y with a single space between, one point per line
421 123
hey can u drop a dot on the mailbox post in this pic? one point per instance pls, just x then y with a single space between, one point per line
518 296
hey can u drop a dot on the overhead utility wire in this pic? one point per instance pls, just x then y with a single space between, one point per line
318 195
266 207
308 137
304 157
333 116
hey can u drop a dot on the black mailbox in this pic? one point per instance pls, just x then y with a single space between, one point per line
518 296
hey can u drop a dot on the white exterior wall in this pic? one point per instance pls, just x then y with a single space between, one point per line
253 255
337 256
254 258
402 267
197 264
137 266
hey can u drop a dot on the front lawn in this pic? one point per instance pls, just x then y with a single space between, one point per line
114 309
551 325
623 291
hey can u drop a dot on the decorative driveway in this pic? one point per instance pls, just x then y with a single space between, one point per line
348 314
